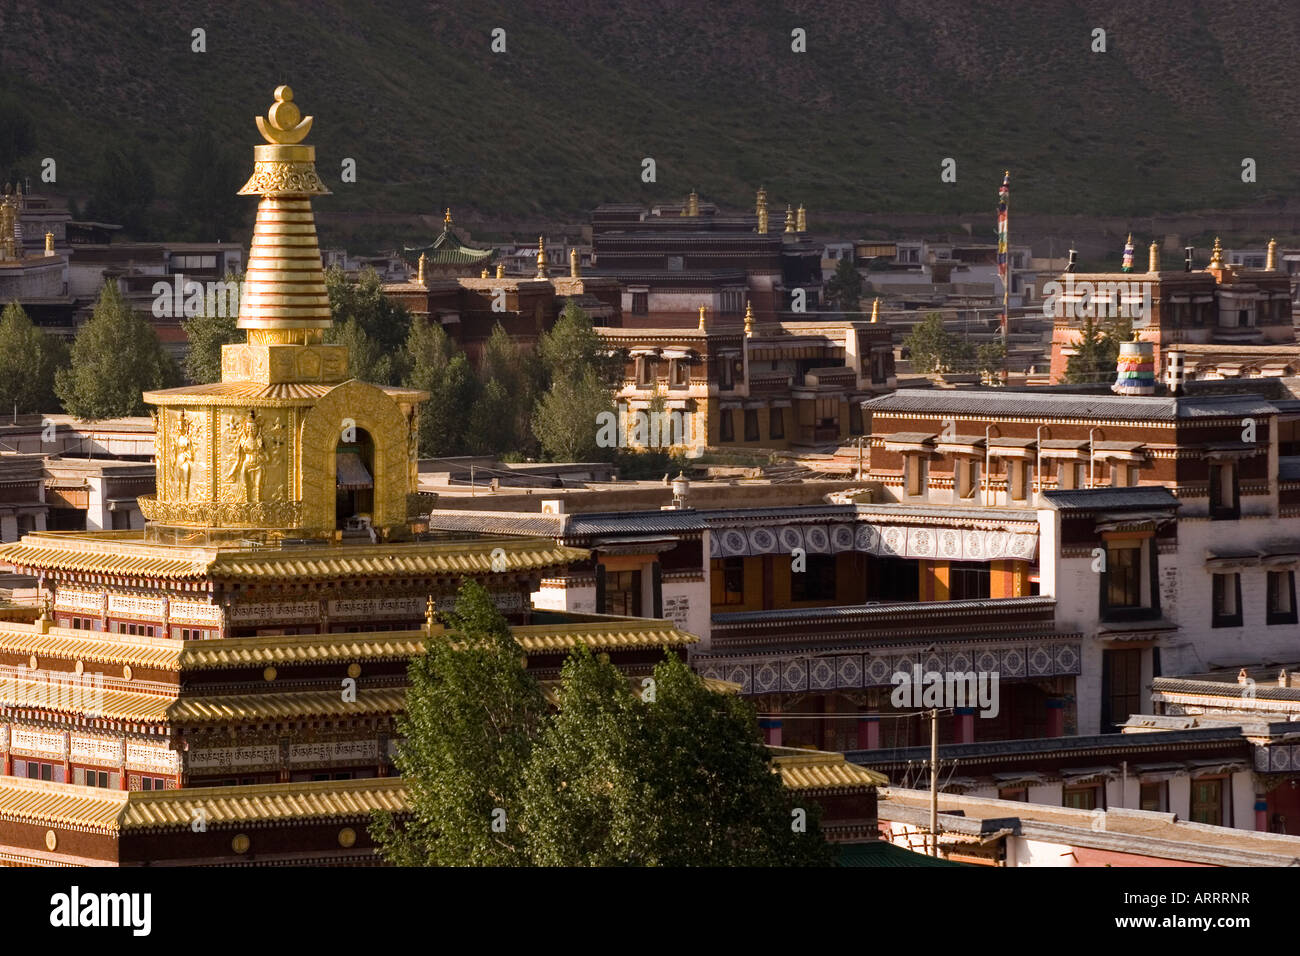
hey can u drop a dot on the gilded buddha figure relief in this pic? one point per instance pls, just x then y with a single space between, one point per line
249 458
183 456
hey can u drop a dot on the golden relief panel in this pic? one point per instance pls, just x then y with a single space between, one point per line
185 456
253 464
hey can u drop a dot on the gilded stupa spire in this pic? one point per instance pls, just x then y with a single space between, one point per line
541 258
284 298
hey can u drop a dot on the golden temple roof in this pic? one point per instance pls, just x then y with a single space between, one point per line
276 705
300 649
265 803
822 770
126 553
82 696
101 647
60 804
622 635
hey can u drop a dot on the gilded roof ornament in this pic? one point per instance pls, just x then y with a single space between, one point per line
284 124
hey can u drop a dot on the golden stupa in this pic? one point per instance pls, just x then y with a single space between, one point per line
284 444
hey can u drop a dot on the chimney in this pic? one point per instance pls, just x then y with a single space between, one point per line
1188 253
1175 373
681 491
1074 261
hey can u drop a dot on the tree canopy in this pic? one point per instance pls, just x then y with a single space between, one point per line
373 326
1095 354
29 361
115 357
670 773
844 288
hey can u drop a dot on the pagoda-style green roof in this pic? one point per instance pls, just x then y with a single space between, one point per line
448 250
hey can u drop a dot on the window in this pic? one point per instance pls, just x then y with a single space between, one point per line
94 778
726 426
1154 796
121 520
726 377
680 373
645 370
733 301
1281 597
1124 574
1123 475
1080 798
1223 491
674 263
640 303
1226 592
623 593
968 581
1014 793
776 423
1288 438
1018 480
1121 681
151 783
751 424
731 573
967 477
1207 801
1071 474
38 770
816 582
915 474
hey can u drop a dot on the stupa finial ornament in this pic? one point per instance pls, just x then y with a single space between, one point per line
284 123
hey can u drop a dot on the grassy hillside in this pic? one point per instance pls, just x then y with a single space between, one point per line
561 122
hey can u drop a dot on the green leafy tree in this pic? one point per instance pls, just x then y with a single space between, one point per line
681 779
568 418
206 333
436 366
1097 350
116 357
934 349
988 359
29 361
518 374
123 190
572 345
844 288
472 715
374 327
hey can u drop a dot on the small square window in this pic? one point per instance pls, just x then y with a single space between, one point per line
1226 594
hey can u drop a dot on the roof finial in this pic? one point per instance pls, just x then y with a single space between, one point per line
541 258
282 125
1153 257
801 220
703 312
693 204
574 269
446 218
1216 255
760 209
423 259
749 318
875 309
501 270
1271 263
789 218
49 243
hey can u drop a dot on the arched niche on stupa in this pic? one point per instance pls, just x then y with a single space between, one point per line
354 407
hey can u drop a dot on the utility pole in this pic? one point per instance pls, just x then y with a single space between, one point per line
934 782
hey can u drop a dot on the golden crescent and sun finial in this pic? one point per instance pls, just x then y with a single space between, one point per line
281 125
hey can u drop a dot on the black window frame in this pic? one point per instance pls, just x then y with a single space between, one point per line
1287 579
1217 617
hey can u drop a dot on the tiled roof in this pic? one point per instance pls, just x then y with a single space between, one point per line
1111 499
277 705
625 634
865 613
300 649
127 554
265 803
499 522
60 804
1042 403
824 771
92 646
84 697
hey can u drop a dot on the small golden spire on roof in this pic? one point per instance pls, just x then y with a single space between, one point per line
875 309
801 220
541 258
1153 257
574 269
446 218
789 218
749 318
420 275
1271 263
49 243
693 204
760 209
703 312
501 270
429 618
484 273
1216 255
